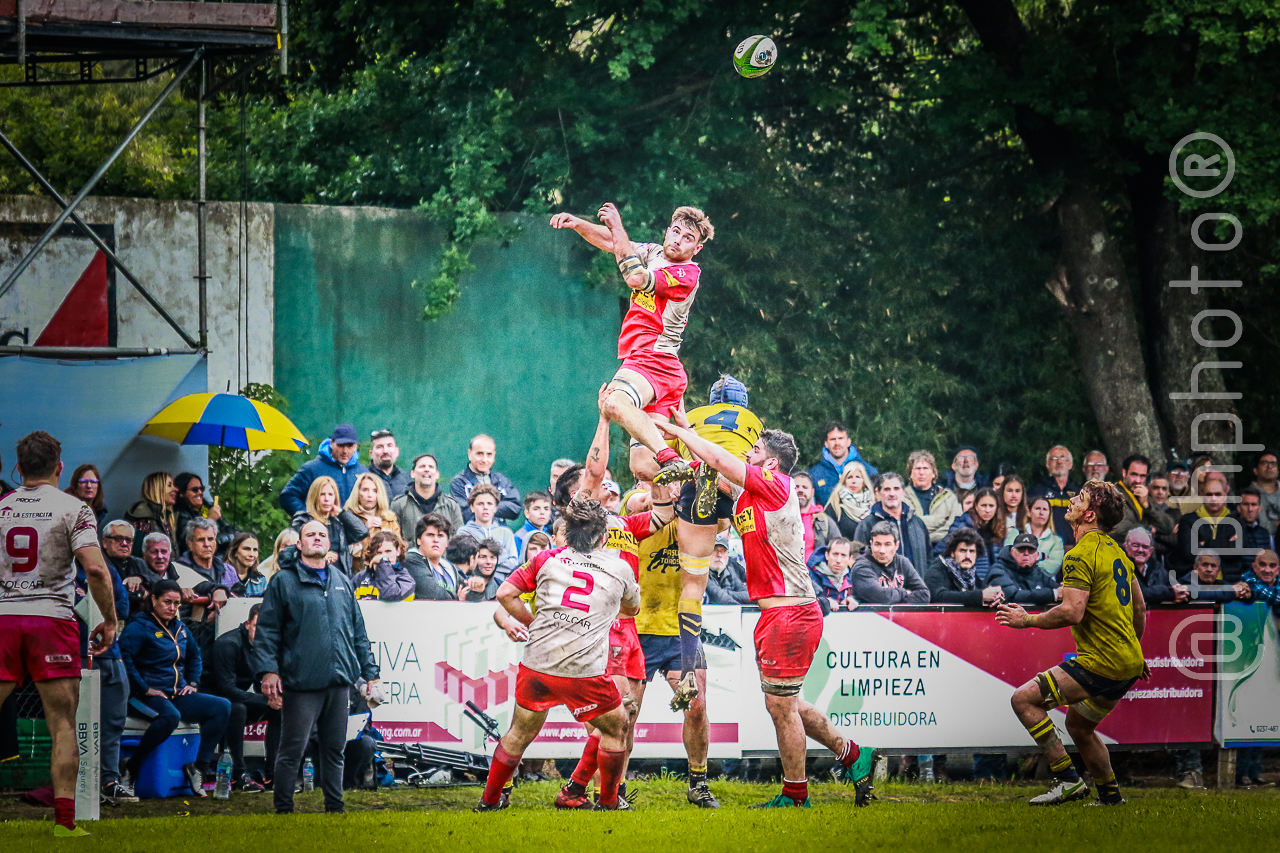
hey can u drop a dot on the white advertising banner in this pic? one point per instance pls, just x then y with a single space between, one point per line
1249 661
89 744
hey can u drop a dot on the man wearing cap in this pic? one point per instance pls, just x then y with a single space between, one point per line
1180 496
383 453
726 582
1017 572
611 496
337 459
964 475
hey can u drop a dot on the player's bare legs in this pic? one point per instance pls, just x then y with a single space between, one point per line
696 732
697 542
787 722
1032 702
60 696
629 393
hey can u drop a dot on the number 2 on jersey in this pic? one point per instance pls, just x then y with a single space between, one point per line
588 584
1123 593
24 557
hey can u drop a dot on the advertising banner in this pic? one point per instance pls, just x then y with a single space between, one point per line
1249 686
918 681
929 681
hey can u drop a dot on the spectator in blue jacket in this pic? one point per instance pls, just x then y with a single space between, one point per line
1017 573
310 649
1205 582
837 451
829 573
964 475
481 454
1255 535
336 458
537 517
1261 579
163 662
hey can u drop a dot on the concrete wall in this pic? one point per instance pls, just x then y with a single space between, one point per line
157 241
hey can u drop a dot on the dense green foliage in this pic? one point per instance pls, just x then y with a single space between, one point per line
884 233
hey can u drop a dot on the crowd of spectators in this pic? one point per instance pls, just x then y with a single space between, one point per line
871 538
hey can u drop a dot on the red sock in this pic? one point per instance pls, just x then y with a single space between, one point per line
798 791
666 454
64 812
501 769
849 754
611 764
588 763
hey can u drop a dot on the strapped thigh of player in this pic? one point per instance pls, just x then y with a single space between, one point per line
1051 697
782 686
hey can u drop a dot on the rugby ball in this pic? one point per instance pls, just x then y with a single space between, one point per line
755 56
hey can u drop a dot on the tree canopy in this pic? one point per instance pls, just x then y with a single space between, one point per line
936 222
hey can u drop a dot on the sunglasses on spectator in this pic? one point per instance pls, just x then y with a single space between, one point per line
380 433
118 538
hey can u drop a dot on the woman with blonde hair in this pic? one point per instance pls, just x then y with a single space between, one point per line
851 499
284 539
368 502
346 530
155 512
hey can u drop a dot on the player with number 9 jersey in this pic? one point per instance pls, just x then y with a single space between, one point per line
40 530
1106 642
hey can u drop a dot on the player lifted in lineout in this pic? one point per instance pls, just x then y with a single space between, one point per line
1103 605
43 531
579 593
663 279
766 514
727 423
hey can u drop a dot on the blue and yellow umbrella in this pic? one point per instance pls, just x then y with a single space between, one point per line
225 420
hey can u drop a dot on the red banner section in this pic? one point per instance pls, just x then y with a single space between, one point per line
1174 706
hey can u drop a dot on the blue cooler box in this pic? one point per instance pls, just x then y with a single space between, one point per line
161 774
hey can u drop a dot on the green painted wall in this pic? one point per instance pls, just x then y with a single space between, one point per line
520 357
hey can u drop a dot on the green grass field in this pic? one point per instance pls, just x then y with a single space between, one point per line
904 818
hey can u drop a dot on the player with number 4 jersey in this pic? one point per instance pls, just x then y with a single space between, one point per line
1102 604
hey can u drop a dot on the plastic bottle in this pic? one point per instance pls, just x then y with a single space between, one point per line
926 768
308 776
222 790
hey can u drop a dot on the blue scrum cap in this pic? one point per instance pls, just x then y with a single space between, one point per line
728 390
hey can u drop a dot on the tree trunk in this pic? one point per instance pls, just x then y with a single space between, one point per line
1090 286
1166 253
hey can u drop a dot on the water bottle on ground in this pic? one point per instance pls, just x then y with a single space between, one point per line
222 790
308 776
926 768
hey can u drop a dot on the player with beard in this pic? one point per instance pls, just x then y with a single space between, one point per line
1102 604
663 280
766 514
579 593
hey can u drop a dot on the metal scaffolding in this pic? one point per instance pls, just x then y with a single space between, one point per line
156 37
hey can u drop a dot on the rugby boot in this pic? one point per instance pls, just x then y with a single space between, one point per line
686 692
1063 792
859 775
782 801
674 471
700 795
567 799
482 806
707 484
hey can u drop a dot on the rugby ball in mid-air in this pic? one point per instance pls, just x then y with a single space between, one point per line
755 56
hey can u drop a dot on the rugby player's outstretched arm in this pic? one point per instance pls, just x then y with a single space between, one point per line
597 235
597 463
633 272
1066 614
509 597
731 467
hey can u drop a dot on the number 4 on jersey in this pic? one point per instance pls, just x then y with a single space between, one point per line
728 419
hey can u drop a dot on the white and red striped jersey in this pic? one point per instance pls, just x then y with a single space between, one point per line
576 599
40 530
766 515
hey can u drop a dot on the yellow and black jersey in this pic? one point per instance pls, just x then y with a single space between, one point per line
732 427
659 583
1106 642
